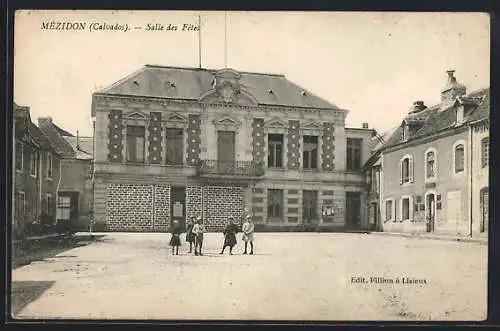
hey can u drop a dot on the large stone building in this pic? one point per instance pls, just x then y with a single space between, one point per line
75 200
36 172
178 142
433 169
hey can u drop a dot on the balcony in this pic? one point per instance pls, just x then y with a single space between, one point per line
230 169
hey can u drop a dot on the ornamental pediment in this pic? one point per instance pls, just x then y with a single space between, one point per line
135 115
275 123
176 117
311 126
226 120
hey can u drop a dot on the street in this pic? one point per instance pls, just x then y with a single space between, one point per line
292 276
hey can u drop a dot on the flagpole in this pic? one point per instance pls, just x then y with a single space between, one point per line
199 41
225 39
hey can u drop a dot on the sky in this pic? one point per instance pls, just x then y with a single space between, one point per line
373 64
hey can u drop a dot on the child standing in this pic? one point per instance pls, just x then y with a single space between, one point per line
175 240
190 236
198 230
248 230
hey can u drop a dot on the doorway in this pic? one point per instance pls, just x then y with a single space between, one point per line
484 202
430 211
374 216
225 151
178 205
353 210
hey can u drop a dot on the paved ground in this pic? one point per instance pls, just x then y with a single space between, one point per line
293 276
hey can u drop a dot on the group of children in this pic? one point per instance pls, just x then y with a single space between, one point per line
196 228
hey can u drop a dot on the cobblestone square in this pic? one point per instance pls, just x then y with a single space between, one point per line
292 276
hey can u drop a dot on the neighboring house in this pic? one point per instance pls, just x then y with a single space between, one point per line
373 173
75 190
36 173
180 142
434 167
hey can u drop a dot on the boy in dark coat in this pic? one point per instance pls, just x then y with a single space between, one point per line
230 236
175 240
190 236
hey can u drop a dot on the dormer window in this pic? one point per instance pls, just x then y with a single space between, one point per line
406 131
460 115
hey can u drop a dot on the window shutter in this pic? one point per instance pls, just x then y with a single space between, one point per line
410 208
401 171
410 169
400 210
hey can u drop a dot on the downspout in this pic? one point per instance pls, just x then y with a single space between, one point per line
40 179
58 186
471 181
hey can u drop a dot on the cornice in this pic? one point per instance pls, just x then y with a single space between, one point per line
102 100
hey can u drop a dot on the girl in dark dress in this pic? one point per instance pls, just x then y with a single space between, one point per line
230 236
175 240
190 236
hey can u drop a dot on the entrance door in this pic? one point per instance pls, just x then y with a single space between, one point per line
225 151
484 196
178 205
430 212
374 218
353 210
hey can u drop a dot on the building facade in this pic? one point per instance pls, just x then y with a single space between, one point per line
440 155
36 174
74 204
178 142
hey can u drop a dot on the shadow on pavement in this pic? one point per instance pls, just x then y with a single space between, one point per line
25 292
49 248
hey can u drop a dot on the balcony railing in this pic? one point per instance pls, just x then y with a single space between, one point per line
230 168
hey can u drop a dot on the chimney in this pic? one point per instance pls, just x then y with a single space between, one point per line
453 89
365 125
417 107
77 141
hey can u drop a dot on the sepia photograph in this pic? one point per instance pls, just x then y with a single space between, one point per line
239 165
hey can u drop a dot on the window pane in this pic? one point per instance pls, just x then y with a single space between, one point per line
459 158
274 203
175 145
388 210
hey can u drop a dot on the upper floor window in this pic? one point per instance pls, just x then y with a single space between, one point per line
485 151
33 163
406 169
430 164
354 154
49 165
459 158
19 156
275 152
310 153
135 143
274 203
175 146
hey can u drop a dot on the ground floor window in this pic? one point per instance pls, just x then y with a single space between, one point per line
310 204
484 202
405 209
274 204
388 211
19 206
64 208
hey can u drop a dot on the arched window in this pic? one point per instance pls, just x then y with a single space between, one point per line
430 164
459 158
406 169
